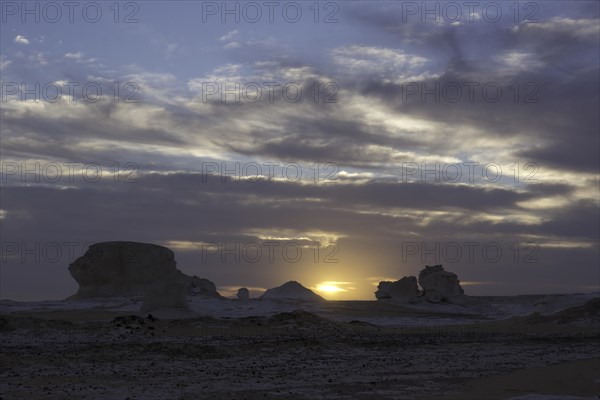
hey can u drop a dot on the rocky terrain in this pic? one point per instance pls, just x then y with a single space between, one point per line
138 328
290 355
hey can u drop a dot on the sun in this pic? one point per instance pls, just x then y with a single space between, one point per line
329 287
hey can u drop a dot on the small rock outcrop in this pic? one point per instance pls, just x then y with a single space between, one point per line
439 285
243 294
123 269
291 290
403 290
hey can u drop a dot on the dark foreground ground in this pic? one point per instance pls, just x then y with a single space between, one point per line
295 355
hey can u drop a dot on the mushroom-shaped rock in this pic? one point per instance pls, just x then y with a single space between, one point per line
439 285
403 290
433 296
243 294
115 269
291 290
170 295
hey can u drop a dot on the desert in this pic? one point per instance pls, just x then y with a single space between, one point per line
291 344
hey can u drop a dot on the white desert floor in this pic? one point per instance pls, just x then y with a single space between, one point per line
488 348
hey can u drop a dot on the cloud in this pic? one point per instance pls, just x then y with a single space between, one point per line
232 45
75 56
20 39
229 35
171 49
378 61
4 63
587 29
38 58
79 57
515 62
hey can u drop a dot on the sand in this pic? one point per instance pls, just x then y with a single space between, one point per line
103 354
579 378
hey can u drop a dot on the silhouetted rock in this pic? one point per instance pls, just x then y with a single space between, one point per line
243 294
291 290
433 296
403 290
199 286
170 295
439 285
111 269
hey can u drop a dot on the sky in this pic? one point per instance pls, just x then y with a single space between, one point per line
337 144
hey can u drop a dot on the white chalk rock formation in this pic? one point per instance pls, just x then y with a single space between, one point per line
123 269
404 290
439 285
291 290
243 294
170 295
